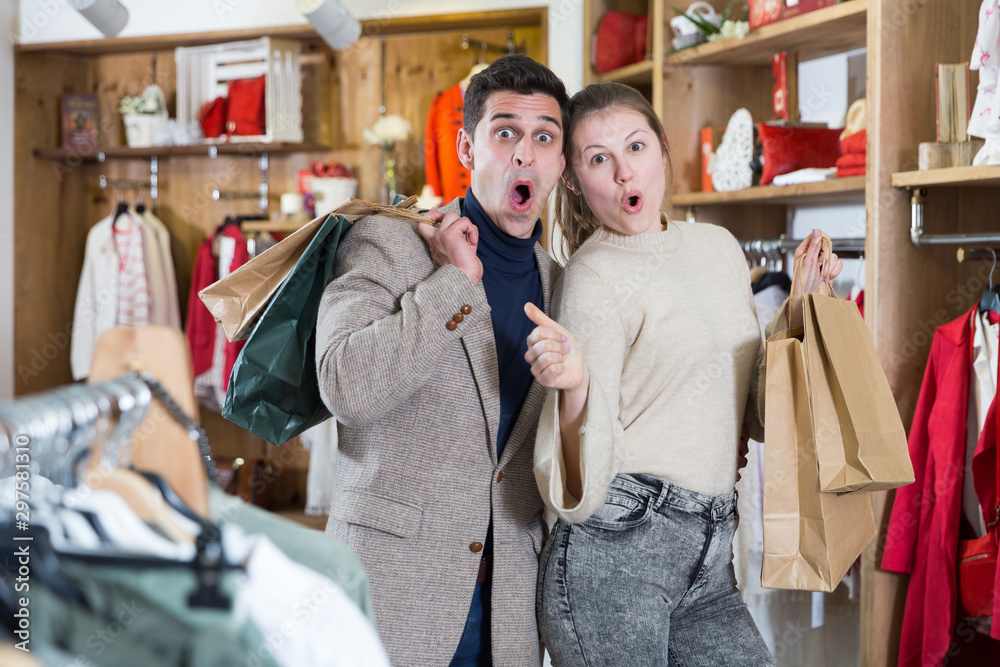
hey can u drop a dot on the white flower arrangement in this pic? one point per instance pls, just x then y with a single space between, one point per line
738 29
151 102
387 130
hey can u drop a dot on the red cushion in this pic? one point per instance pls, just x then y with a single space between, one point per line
245 115
616 41
640 38
213 117
850 171
855 143
851 160
788 149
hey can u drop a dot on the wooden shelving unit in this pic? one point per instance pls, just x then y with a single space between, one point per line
636 74
957 177
202 150
646 75
820 33
830 191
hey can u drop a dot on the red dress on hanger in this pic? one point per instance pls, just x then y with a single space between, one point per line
201 326
444 171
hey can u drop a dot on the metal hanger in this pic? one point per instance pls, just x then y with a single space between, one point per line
990 301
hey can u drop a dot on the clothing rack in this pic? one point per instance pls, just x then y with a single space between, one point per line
919 238
842 246
123 184
977 255
261 195
509 48
58 428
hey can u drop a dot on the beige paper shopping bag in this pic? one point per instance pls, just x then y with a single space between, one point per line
810 538
237 301
860 440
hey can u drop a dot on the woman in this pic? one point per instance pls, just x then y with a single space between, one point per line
659 365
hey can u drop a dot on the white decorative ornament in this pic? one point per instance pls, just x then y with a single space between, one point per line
731 168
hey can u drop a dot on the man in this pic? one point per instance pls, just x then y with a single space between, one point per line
420 354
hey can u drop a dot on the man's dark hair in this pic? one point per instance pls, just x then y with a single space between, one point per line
517 74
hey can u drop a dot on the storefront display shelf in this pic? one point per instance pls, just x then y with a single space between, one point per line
823 32
959 177
832 191
237 149
636 74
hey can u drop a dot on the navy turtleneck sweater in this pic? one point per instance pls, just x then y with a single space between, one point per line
511 279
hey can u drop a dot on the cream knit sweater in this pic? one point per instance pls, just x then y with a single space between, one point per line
670 333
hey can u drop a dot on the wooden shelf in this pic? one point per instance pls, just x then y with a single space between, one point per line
839 190
959 177
405 25
636 74
823 32
239 149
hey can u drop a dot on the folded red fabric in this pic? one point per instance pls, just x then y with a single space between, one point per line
850 171
848 160
854 143
788 149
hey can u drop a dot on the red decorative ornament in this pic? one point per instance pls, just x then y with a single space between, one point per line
763 12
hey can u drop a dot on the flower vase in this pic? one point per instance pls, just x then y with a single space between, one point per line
387 166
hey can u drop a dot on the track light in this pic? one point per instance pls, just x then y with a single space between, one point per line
337 28
108 16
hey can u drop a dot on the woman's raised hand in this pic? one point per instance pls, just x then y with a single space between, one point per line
556 357
811 273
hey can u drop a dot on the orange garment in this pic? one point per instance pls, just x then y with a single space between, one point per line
444 172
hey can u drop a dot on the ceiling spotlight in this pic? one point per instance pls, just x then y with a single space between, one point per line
108 16
337 28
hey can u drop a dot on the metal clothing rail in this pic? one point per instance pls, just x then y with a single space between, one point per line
261 195
510 47
56 430
784 244
919 238
125 184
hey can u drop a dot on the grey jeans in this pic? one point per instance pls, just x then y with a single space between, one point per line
647 580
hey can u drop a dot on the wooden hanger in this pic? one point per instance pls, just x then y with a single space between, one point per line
159 444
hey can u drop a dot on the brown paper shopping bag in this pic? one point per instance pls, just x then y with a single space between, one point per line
810 538
238 300
860 440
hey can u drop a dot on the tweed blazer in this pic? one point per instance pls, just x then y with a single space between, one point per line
418 478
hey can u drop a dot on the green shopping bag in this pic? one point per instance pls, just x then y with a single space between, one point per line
273 390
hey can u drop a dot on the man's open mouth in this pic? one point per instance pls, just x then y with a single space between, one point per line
521 195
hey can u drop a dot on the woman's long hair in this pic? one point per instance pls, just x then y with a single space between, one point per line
576 220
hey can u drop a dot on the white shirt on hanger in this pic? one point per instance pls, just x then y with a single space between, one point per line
304 617
982 389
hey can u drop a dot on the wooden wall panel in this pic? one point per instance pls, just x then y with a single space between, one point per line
695 97
911 290
49 234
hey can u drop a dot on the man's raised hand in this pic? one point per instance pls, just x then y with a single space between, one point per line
453 241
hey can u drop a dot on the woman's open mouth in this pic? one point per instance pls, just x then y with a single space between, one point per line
632 201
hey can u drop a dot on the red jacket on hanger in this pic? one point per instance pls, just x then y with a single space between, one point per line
201 326
443 170
922 536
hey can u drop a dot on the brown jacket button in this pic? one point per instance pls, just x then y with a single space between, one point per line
452 325
476 547
458 317
466 309
500 475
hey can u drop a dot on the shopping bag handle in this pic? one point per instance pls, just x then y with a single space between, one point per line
826 271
